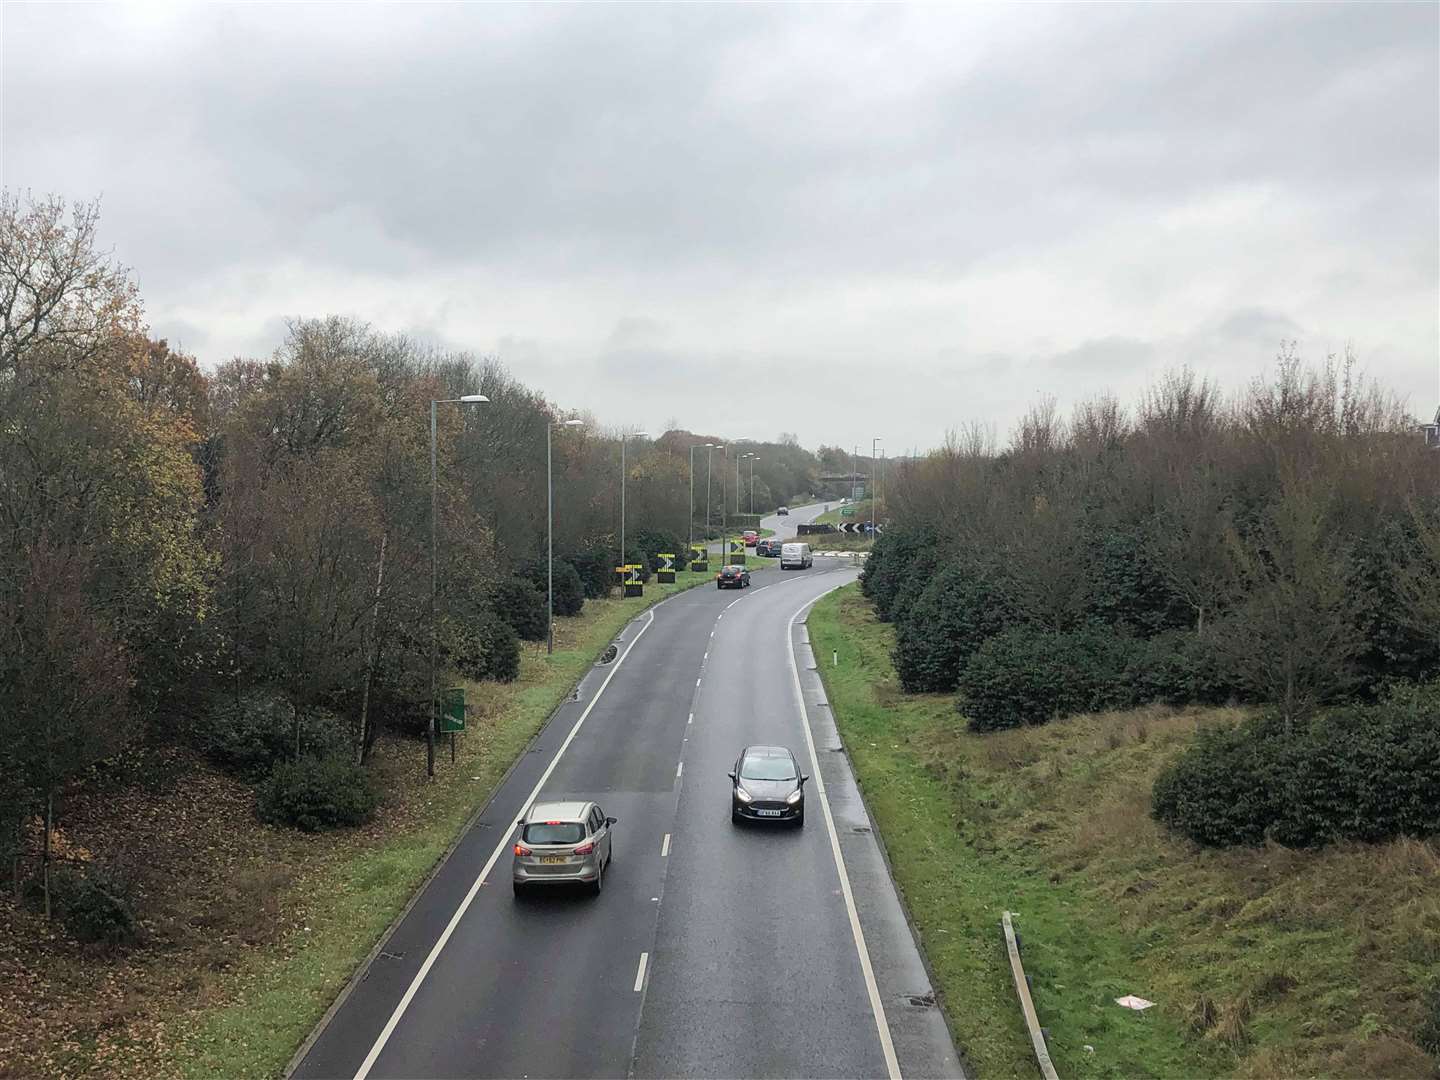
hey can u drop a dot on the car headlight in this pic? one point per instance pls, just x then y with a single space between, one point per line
794 796
742 794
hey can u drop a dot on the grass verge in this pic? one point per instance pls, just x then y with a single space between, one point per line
1262 962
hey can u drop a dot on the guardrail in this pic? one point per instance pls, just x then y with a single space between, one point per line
1027 1006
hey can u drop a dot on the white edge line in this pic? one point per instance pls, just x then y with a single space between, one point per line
665 846
887 1045
410 992
640 974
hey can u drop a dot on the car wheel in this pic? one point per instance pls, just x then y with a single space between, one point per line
519 890
599 882
800 819
734 816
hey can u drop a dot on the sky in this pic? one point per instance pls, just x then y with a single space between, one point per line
846 222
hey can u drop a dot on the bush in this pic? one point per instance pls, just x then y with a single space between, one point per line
317 793
96 905
1224 790
521 605
249 734
1179 667
1367 773
483 646
594 568
953 616
1030 676
890 563
570 591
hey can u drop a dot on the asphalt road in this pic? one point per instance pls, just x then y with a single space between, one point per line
713 950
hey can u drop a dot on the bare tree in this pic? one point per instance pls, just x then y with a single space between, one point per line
57 292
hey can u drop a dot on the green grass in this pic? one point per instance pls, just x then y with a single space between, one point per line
277 996
1262 962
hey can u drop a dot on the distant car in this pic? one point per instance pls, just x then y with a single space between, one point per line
750 537
563 843
769 547
767 786
784 511
732 577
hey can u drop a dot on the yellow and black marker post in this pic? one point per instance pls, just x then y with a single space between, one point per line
666 574
699 561
737 552
633 585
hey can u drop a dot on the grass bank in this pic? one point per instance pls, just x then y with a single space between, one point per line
1262 962
251 930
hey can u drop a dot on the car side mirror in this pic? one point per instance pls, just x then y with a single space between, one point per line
731 775
803 779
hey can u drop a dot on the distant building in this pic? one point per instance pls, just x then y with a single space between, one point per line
1432 432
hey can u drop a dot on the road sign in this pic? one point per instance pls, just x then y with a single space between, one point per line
452 710
847 511
633 585
666 574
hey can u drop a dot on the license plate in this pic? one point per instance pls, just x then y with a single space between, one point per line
552 858
768 813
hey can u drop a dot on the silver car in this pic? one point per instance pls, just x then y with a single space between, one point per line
563 843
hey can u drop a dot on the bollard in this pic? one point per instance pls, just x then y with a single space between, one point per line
835 658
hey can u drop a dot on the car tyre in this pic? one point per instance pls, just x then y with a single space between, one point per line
800 819
734 816
520 892
599 883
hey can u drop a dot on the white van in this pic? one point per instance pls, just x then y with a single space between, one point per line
795 557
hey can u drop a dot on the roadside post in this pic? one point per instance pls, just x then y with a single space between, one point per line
666 574
699 561
737 552
452 715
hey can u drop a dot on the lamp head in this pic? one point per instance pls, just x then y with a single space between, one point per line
473 399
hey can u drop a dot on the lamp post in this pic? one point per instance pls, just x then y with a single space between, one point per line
874 456
468 399
550 535
623 438
753 459
690 511
709 456
724 509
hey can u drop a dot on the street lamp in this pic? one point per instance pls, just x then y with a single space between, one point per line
690 512
550 535
874 443
708 458
623 438
468 399
753 459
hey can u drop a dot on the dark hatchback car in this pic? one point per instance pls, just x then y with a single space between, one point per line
770 546
768 786
732 577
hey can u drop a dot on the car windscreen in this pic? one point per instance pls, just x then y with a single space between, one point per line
554 832
767 768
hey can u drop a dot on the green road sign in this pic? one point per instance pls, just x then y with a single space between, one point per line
452 710
847 511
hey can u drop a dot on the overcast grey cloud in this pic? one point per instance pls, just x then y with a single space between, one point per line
885 220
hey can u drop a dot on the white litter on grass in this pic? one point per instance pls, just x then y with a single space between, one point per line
1130 1001
1089 1049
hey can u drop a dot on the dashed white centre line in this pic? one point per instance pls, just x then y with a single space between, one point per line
697 682
692 719
679 769
640 974
665 846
